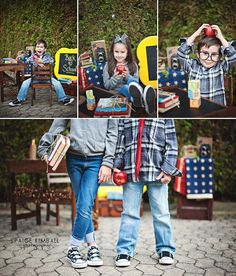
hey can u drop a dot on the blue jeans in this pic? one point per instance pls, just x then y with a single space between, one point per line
22 94
158 199
83 172
124 90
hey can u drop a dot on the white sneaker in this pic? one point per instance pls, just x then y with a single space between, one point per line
94 257
123 260
75 258
136 92
166 258
149 99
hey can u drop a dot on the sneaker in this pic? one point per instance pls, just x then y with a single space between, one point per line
94 257
123 260
166 258
68 101
75 258
149 98
15 103
136 92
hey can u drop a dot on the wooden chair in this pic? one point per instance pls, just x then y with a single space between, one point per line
229 89
41 78
62 181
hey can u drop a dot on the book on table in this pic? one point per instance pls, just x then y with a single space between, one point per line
59 149
125 114
111 105
162 110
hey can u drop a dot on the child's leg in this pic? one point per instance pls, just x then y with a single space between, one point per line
132 194
21 96
84 174
124 90
59 90
158 198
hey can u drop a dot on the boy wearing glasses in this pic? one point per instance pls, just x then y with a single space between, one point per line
209 68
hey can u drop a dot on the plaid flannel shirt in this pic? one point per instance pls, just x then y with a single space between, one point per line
159 148
45 57
211 79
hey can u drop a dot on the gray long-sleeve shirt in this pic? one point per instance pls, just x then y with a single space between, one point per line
88 137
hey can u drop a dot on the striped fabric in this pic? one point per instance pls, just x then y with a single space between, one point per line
212 79
159 148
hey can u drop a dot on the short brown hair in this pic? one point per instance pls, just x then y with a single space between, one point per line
209 41
41 41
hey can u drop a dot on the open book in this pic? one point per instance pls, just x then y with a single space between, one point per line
59 149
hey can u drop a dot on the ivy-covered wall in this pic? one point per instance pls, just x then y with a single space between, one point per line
104 19
24 22
16 136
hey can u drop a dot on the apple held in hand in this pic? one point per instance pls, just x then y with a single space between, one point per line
120 69
119 178
35 58
208 31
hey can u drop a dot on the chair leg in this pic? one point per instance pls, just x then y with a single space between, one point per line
34 94
51 97
57 215
48 212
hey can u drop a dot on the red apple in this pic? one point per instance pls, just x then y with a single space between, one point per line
35 57
209 31
120 69
119 178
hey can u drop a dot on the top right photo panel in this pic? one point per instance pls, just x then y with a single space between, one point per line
197 59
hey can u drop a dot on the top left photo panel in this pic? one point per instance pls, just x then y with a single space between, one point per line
38 59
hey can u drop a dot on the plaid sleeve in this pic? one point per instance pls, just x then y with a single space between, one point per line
120 147
48 59
183 55
171 150
230 57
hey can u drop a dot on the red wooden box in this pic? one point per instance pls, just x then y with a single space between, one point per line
194 208
112 208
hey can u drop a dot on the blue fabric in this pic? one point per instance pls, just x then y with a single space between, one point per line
83 172
94 74
172 77
199 178
158 199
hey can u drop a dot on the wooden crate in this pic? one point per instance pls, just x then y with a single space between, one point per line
112 208
194 208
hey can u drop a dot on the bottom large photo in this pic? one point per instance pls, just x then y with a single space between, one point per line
117 197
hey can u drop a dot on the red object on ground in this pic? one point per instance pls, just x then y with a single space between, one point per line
119 178
209 31
120 69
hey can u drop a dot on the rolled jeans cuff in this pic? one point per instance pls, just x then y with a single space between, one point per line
75 242
90 237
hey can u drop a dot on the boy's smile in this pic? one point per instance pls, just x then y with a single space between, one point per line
120 52
40 49
209 56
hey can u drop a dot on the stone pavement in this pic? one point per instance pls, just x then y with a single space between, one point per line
203 247
40 109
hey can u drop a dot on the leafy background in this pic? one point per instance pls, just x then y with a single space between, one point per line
24 22
182 18
104 19
16 136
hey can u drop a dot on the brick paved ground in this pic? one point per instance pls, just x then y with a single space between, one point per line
40 109
203 247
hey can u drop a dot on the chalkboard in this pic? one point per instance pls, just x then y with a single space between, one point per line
66 63
152 62
147 56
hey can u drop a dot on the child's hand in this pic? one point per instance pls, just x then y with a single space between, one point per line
165 178
117 75
198 32
125 74
40 60
45 158
220 35
41 65
104 174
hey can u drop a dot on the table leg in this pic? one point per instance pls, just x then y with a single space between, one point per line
1 83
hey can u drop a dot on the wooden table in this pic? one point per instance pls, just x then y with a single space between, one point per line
36 169
98 92
14 67
207 109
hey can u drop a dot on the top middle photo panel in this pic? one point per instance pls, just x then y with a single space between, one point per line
117 59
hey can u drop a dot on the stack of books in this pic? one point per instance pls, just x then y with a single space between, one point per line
112 107
85 60
167 101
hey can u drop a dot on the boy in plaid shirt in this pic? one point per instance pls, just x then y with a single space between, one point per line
209 68
157 166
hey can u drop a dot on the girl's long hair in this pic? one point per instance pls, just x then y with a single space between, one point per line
111 62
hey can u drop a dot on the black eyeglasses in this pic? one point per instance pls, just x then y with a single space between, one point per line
205 55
